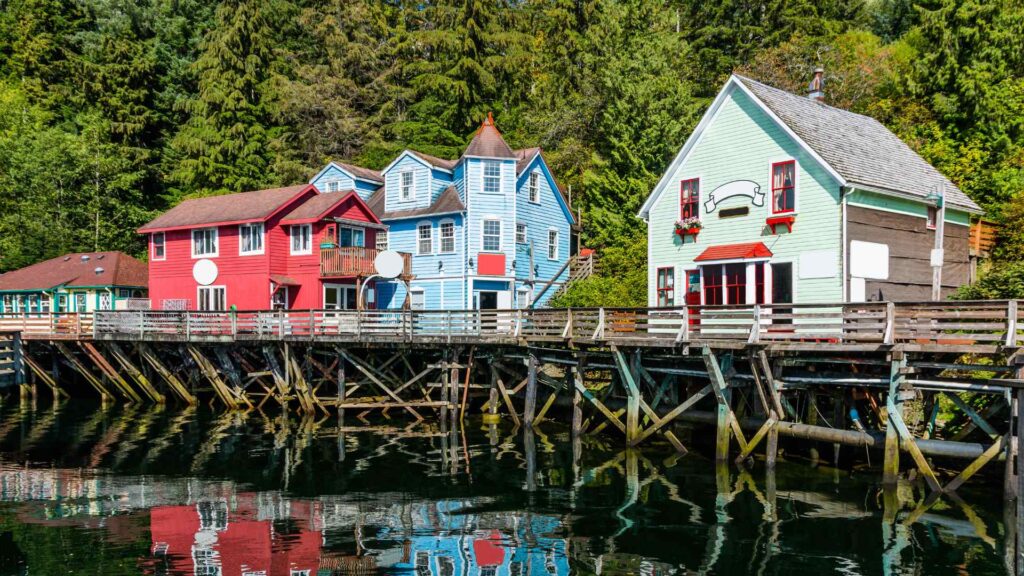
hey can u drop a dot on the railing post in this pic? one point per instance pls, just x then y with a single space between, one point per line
567 332
755 327
889 337
359 325
312 324
448 323
1011 324
142 324
78 323
188 325
599 331
234 325
519 323
280 324
684 330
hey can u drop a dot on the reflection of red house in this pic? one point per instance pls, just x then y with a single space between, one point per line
207 537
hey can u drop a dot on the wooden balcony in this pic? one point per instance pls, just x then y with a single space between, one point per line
351 262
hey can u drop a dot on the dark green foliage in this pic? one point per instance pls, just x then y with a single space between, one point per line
112 110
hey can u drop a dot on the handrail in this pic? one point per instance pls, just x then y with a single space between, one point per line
989 323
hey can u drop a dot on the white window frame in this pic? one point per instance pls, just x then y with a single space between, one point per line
553 244
413 293
484 176
309 239
483 234
521 235
419 246
336 184
199 298
533 186
441 237
406 193
216 243
241 239
524 297
153 245
380 242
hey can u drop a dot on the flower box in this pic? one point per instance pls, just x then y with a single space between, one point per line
683 232
688 227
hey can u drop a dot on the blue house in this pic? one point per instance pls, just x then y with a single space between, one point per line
488 230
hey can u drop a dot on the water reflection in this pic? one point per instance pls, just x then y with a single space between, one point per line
129 491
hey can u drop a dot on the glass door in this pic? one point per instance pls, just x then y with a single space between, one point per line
340 297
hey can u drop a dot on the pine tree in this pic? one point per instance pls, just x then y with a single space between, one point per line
226 144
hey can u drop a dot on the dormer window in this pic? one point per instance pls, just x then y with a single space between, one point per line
784 187
492 177
405 185
535 187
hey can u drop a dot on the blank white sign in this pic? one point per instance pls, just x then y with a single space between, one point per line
819 264
869 260
858 290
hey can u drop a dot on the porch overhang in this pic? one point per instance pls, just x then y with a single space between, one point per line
734 253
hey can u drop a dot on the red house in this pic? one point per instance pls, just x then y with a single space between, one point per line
279 248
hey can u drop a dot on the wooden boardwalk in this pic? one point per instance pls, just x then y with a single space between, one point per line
984 327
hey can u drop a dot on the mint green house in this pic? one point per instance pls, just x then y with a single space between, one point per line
780 198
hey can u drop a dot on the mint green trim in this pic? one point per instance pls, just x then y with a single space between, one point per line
906 206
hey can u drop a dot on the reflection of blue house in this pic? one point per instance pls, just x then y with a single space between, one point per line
469 223
445 542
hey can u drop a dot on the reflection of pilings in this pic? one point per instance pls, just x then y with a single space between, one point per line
871 440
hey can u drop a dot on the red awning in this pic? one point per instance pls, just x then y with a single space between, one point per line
735 252
281 280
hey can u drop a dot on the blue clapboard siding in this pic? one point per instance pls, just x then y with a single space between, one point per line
459 179
429 269
345 181
440 180
551 213
421 184
483 205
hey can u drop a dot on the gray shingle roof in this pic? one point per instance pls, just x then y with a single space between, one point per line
240 207
447 203
360 172
488 142
858 147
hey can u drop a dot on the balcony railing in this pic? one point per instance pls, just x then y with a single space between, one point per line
353 261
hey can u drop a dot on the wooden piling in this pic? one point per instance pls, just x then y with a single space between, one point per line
891 463
529 412
172 381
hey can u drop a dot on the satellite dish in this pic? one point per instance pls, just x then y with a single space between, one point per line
389 264
204 272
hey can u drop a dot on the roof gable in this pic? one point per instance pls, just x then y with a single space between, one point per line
322 205
848 146
352 171
448 202
537 161
427 160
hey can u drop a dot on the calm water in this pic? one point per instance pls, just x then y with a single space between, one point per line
122 491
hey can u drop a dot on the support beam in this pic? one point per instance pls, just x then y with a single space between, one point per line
140 379
529 412
83 371
172 381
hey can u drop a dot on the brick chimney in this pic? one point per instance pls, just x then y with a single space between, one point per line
816 89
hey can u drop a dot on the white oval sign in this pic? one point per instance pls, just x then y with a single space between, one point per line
389 264
204 272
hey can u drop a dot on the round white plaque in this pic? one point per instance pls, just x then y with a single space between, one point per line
205 272
389 264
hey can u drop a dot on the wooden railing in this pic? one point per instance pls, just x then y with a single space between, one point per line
353 261
950 325
11 367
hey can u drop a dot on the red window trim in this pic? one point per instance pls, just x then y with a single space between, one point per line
709 287
693 200
784 188
659 289
740 286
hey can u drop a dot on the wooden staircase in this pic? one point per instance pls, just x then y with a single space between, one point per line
580 267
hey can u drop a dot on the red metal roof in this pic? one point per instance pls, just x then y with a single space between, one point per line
735 252
79 269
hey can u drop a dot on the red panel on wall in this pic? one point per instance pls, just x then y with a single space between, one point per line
491 264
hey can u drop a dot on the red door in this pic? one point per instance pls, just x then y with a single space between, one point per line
692 298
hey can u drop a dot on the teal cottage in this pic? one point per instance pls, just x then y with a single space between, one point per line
490 229
780 198
79 282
